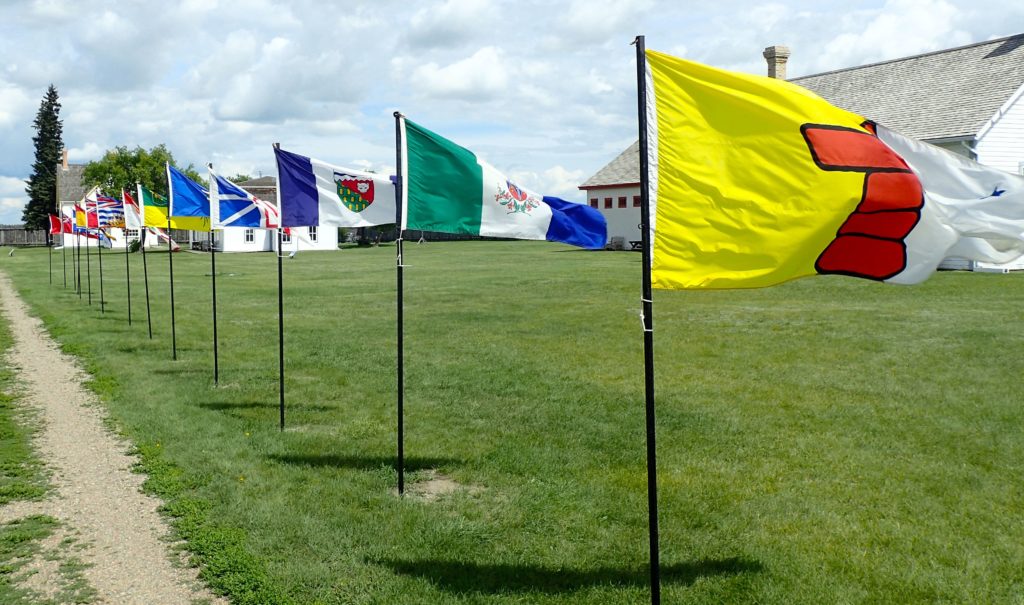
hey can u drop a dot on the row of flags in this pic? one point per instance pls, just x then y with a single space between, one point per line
314 193
446 188
754 181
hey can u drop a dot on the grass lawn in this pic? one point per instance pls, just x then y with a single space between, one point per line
21 475
827 441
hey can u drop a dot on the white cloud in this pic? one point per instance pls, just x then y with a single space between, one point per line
478 77
598 20
899 29
546 90
85 153
451 23
10 186
11 209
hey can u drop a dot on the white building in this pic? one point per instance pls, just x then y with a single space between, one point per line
967 100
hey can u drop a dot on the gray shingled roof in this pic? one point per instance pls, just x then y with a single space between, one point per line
940 95
263 181
69 183
623 170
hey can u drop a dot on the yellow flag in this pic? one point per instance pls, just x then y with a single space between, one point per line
738 197
154 213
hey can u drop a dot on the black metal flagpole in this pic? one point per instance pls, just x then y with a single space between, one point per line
63 251
99 251
280 321
78 262
648 322
213 282
127 267
145 276
128 276
280 301
400 314
88 263
170 264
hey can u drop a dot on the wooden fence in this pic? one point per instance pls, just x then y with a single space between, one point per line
19 236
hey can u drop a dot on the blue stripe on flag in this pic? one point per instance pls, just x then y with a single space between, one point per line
300 203
576 224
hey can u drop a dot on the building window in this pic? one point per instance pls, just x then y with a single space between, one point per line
607 202
286 237
131 233
593 202
622 202
250 236
312 234
636 201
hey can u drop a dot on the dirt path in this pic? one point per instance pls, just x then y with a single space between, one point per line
96 494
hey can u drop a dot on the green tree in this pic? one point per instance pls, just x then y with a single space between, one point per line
240 178
121 168
42 184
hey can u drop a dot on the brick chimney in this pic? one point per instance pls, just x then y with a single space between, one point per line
64 158
776 57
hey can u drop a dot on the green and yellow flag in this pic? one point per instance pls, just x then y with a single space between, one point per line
737 197
154 213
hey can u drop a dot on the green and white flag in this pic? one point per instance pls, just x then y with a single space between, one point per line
447 188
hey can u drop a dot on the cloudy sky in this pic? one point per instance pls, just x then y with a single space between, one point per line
545 91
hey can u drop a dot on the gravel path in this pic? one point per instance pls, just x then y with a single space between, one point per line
97 495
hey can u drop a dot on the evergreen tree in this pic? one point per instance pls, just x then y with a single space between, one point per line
42 185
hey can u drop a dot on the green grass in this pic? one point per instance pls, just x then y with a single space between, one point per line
21 475
827 441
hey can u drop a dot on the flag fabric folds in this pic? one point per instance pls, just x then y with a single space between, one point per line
56 225
313 193
132 213
93 233
109 212
90 217
161 235
81 220
187 198
232 206
449 189
155 210
756 181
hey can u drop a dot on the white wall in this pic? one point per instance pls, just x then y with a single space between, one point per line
1001 142
1001 145
622 222
326 239
232 239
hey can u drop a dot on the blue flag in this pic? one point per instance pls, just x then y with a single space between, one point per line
236 207
188 198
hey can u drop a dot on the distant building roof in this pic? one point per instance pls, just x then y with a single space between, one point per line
623 170
945 94
69 183
263 181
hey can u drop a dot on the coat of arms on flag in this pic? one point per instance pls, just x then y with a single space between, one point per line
515 199
355 193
